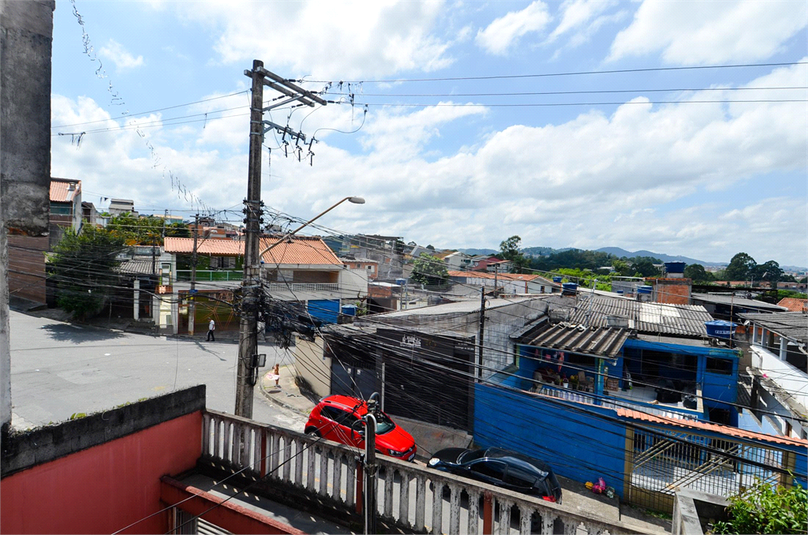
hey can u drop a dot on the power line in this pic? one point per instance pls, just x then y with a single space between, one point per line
559 74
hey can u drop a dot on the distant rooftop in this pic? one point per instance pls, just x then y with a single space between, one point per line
792 325
730 300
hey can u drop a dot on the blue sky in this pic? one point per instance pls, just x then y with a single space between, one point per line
463 130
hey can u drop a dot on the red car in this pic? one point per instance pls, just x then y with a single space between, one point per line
336 418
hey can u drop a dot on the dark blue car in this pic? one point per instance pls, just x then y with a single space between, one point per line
503 468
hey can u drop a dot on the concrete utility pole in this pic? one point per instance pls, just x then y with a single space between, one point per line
251 283
481 335
192 293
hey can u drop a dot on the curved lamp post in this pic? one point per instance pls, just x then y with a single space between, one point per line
354 200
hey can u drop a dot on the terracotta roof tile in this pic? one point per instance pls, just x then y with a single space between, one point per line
60 190
500 276
794 304
708 426
300 251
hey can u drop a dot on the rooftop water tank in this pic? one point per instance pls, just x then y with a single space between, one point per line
401 282
569 288
349 310
557 279
720 328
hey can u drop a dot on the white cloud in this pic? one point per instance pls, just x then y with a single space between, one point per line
577 14
117 54
502 34
351 39
692 33
591 181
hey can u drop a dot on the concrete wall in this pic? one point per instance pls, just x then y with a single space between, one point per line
72 478
313 366
26 33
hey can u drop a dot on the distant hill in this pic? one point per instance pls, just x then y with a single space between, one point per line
542 251
617 251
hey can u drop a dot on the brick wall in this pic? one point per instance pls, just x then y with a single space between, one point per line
26 267
673 291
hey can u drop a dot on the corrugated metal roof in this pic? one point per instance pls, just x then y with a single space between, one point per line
792 325
299 251
656 318
724 299
707 426
500 276
60 189
598 341
136 267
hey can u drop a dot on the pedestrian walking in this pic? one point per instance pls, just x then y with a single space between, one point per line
211 328
276 371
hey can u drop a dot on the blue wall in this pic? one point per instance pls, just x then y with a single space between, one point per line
577 445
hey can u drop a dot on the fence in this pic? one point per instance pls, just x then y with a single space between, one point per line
210 275
659 465
615 402
413 497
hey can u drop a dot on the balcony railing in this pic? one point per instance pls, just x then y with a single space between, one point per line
409 495
298 287
203 275
616 402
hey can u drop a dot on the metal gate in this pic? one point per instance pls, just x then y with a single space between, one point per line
661 462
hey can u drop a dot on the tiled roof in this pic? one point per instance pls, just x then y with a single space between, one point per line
656 318
60 189
707 426
598 341
299 251
218 246
794 304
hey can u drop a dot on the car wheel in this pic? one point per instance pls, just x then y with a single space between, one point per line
312 432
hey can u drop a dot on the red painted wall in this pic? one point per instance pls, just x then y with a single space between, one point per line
104 488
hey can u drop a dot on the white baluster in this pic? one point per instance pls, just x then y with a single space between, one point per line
350 480
299 447
339 461
324 472
287 458
454 510
474 512
437 507
548 523
420 502
404 499
389 476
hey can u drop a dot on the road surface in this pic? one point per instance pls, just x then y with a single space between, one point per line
58 369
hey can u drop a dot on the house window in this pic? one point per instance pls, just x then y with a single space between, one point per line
223 262
721 366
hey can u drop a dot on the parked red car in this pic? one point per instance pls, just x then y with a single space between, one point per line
336 418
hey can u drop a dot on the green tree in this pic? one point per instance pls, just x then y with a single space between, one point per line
769 271
83 267
766 508
146 230
643 266
697 273
509 250
429 270
740 268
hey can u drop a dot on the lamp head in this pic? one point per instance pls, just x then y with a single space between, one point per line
356 200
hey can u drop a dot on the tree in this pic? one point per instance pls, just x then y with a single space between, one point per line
509 250
146 230
769 271
697 273
83 267
740 268
766 508
643 266
429 270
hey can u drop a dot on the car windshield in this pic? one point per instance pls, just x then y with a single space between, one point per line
383 424
469 456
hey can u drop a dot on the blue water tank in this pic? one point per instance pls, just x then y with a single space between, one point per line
349 310
620 292
569 288
720 328
557 279
645 289
401 282
674 267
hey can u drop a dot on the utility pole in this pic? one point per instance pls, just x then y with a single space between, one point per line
481 335
192 296
370 466
251 283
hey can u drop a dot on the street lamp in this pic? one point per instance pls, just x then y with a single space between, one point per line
354 200
248 326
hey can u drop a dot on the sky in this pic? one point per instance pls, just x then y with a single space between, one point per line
676 127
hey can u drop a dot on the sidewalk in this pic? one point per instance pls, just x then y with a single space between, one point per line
287 394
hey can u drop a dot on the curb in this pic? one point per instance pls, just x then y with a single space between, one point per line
278 402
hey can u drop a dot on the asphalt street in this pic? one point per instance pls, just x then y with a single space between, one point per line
58 369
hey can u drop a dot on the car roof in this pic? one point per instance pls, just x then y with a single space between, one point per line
505 455
346 402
